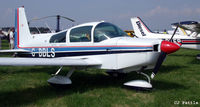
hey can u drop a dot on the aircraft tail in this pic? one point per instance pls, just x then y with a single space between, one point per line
22 33
140 27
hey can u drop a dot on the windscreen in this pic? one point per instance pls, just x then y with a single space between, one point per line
108 31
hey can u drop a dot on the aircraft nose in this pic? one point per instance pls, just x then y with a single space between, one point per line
169 47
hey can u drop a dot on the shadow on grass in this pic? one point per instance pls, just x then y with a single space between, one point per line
170 68
166 85
195 61
183 55
30 95
82 82
35 69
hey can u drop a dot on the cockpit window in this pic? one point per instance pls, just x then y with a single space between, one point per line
81 34
106 30
58 38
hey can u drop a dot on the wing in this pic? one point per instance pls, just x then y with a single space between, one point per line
13 50
9 61
189 25
48 61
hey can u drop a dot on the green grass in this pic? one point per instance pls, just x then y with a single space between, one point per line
178 80
4 44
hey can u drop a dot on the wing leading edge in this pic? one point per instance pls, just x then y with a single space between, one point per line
5 61
13 50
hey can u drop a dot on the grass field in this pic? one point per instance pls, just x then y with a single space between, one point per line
178 81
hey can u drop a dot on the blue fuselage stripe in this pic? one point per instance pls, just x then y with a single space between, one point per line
81 51
15 34
90 48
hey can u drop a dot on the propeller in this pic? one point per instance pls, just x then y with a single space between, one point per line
173 33
58 20
167 47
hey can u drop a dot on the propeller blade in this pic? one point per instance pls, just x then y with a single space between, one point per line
41 18
52 16
174 33
68 18
159 63
58 20
166 48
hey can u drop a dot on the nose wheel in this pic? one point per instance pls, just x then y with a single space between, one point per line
140 84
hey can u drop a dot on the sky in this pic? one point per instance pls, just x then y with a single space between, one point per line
157 14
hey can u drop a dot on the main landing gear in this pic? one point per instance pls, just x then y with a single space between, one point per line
140 84
58 80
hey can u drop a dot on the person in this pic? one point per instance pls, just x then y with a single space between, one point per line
165 31
88 37
11 38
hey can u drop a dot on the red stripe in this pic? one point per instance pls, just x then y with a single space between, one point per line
87 46
18 27
143 25
190 41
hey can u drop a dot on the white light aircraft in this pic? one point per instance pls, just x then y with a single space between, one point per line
96 44
192 26
188 28
142 31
